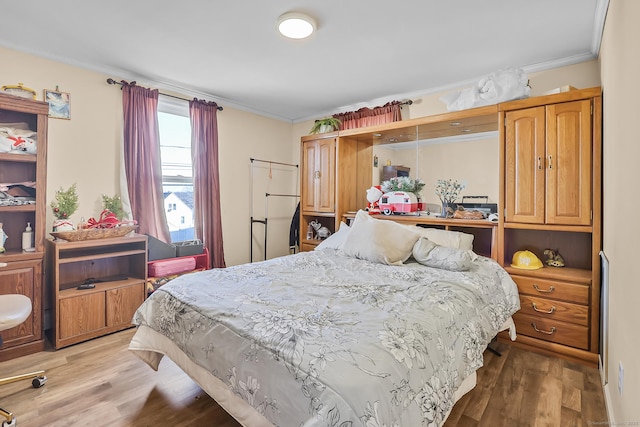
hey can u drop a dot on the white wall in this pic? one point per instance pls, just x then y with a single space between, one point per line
86 149
620 68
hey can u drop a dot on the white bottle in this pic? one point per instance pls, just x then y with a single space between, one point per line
27 238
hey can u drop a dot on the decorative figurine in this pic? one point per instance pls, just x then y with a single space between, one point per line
321 232
554 259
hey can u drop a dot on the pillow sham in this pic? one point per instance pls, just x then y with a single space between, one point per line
450 239
430 254
378 240
336 240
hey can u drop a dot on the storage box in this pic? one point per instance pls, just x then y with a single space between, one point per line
159 249
168 267
188 248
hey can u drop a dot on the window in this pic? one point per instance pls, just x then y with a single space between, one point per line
177 174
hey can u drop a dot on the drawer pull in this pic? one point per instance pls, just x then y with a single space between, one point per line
551 310
551 289
3 264
551 332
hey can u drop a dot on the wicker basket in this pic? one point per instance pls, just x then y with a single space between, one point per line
94 233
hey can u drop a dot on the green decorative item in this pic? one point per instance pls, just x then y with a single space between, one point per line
403 183
65 202
328 124
113 204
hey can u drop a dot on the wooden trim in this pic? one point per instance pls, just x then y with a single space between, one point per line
551 349
572 95
596 236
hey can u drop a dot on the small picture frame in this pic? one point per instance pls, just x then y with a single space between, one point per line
59 104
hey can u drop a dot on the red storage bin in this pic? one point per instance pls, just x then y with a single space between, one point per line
167 267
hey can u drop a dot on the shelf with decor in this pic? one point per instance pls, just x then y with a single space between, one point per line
23 126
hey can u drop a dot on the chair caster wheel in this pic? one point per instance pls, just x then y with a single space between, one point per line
38 382
13 423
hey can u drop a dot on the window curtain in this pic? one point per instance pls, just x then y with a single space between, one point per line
390 112
206 178
142 160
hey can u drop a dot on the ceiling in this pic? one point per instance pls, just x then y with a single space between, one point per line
364 52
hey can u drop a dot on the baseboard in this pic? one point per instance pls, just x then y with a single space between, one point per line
608 405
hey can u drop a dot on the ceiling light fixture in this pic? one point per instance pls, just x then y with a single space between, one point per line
296 25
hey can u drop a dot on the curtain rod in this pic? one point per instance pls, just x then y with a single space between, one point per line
113 82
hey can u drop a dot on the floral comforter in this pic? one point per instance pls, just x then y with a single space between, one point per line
320 339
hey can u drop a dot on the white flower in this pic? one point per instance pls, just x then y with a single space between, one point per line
400 344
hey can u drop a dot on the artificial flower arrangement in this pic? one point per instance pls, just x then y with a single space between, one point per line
448 191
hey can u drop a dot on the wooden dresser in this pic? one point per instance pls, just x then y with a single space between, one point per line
551 193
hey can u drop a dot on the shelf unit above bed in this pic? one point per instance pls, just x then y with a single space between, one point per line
564 133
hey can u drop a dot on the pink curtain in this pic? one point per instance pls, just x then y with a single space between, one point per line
390 112
206 178
142 160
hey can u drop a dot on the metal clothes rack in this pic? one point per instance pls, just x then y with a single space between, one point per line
266 205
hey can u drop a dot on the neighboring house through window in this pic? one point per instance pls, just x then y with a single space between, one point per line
177 173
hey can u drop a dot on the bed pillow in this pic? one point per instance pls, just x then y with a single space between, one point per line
450 239
336 240
379 240
430 254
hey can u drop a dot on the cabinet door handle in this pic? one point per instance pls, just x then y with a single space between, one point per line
551 332
539 162
550 165
550 311
551 289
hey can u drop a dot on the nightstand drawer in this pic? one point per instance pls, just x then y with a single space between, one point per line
552 330
572 292
553 309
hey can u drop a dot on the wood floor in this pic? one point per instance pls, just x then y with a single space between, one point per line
100 383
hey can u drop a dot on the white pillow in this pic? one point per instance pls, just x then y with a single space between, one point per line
450 239
428 253
336 240
378 240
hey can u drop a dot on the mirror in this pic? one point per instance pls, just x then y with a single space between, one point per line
471 158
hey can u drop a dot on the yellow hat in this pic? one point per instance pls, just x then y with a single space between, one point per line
526 260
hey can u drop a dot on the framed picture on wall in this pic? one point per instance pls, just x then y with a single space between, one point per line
59 104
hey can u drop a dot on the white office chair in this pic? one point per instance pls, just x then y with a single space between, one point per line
15 309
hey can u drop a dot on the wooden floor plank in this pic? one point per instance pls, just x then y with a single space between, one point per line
100 383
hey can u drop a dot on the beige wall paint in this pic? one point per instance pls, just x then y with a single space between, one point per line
86 150
620 65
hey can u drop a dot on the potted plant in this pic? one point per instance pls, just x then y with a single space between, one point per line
113 204
328 124
64 205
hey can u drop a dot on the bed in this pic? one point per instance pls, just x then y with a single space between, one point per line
346 335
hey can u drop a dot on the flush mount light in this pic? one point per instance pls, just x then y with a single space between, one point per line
296 25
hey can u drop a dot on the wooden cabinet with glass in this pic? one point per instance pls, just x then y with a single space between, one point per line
551 193
117 269
23 173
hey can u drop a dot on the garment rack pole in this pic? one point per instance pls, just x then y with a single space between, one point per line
266 205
